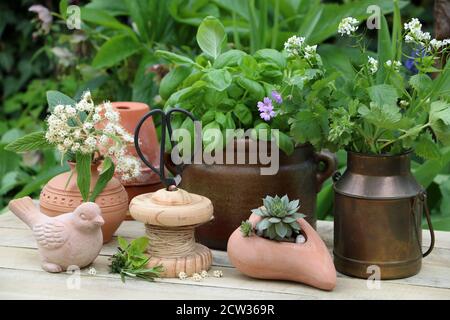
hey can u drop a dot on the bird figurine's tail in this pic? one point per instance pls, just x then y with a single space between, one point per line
26 210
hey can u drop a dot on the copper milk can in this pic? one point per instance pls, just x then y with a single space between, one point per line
378 209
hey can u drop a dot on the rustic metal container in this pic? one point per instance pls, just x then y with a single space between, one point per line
377 217
235 189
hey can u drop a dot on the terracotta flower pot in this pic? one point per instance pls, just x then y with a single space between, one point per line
309 263
235 189
130 114
56 199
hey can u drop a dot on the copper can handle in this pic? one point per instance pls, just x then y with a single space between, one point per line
330 161
423 198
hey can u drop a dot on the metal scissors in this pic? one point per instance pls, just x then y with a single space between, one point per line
165 124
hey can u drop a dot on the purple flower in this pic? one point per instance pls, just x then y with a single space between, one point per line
277 97
265 108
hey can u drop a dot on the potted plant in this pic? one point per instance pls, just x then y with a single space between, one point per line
277 243
72 128
383 114
284 93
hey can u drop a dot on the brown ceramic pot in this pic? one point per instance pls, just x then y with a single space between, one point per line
130 114
57 198
235 189
308 262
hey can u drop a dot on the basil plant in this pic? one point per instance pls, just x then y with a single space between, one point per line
230 89
396 100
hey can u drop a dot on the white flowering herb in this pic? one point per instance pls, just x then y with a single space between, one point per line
372 64
218 273
296 47
394 65
348 26
293 45
182 275
204 274
85 133
196 277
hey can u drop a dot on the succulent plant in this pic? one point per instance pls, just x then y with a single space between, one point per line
279 218
246 228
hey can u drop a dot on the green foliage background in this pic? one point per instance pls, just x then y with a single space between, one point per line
113 56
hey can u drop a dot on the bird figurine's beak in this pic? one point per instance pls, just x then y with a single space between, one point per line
98 221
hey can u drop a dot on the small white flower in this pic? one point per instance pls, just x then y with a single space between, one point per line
348 26
61 148
110 128
92 271
395 65
373 65
90 144
104 140
294 45
88 125
204 273
415 34
112 116
404 103
75 147
96 118
182 275
86 96
71 111
129 167
436 44
196 277
218 273
77 133
310 52
68 142
59 109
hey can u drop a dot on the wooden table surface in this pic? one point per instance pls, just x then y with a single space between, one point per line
21 276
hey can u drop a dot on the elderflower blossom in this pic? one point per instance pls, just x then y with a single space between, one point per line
91 129
182 275
196 277
294 45
204 273
373 65
395 65
348 26
218 273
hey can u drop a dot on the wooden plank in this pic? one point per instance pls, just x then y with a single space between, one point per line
134 229
41 285
14 259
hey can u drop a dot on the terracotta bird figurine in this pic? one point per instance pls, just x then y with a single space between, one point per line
70 239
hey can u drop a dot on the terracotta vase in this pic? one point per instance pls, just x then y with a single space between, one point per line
235 189
309 263
56 198
130 114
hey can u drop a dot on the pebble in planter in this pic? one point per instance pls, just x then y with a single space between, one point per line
277 243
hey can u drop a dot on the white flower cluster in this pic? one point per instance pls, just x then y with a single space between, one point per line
293 45
415 35
73 129
395 65
373 65
348 26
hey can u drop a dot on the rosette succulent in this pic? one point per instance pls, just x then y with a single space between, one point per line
279 218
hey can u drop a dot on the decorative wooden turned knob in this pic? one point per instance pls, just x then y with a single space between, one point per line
170 218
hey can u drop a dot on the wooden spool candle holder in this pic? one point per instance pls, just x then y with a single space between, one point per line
170 217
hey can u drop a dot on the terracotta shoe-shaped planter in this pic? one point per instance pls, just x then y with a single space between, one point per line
309 263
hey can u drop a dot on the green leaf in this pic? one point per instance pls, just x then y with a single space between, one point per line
284 142
271 56
83 167
172 80
384 49
218 79
254 88
262 131
281 230
263 224
173 57
115 50
32 141
103 18
139 245
308 126
440 121
421 82
243 113
123 243
211 36
426 147
103 179
38 181
383 94
427 171
55 98
387 116
230 58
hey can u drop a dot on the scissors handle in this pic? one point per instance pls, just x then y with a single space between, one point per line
165 124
